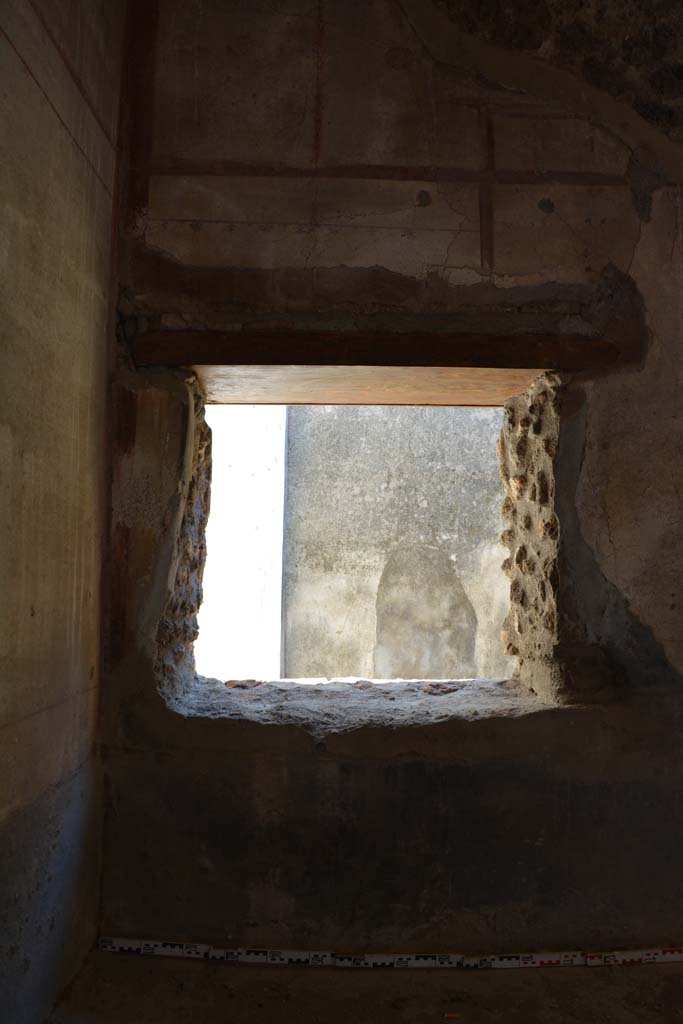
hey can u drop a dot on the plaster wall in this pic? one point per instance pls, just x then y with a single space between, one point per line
631 480
484 826
392 543
446 192
379 177
59 72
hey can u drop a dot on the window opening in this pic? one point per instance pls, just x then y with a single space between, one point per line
239 619
358 541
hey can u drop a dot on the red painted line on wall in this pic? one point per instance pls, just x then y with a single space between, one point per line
486 215
182 166
140 79
318 108
320 222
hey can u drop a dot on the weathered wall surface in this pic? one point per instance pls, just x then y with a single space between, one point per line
370 180
475 834
491 830
630 480
298 213
59 67
550 830
392 543
605 544
632 51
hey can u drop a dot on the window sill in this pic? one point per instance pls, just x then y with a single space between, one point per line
342 705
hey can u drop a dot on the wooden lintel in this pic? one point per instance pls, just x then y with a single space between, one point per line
363 385
346 348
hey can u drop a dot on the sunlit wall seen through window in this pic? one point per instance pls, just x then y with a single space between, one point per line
240 617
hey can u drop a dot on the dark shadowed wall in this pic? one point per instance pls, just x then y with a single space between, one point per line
60 69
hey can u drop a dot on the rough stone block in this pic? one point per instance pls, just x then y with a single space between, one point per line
547 628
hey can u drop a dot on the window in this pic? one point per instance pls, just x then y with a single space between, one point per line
240 616
354 541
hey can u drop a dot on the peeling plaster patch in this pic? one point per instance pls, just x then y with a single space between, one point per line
477 49
630 51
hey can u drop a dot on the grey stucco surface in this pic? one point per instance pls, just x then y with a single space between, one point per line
59 80
49 887
392 543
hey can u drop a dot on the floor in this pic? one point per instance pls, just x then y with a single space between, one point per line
115 989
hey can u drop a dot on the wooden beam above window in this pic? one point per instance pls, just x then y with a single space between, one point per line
362 385
354 368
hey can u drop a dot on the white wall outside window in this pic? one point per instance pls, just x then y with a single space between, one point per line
240 617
